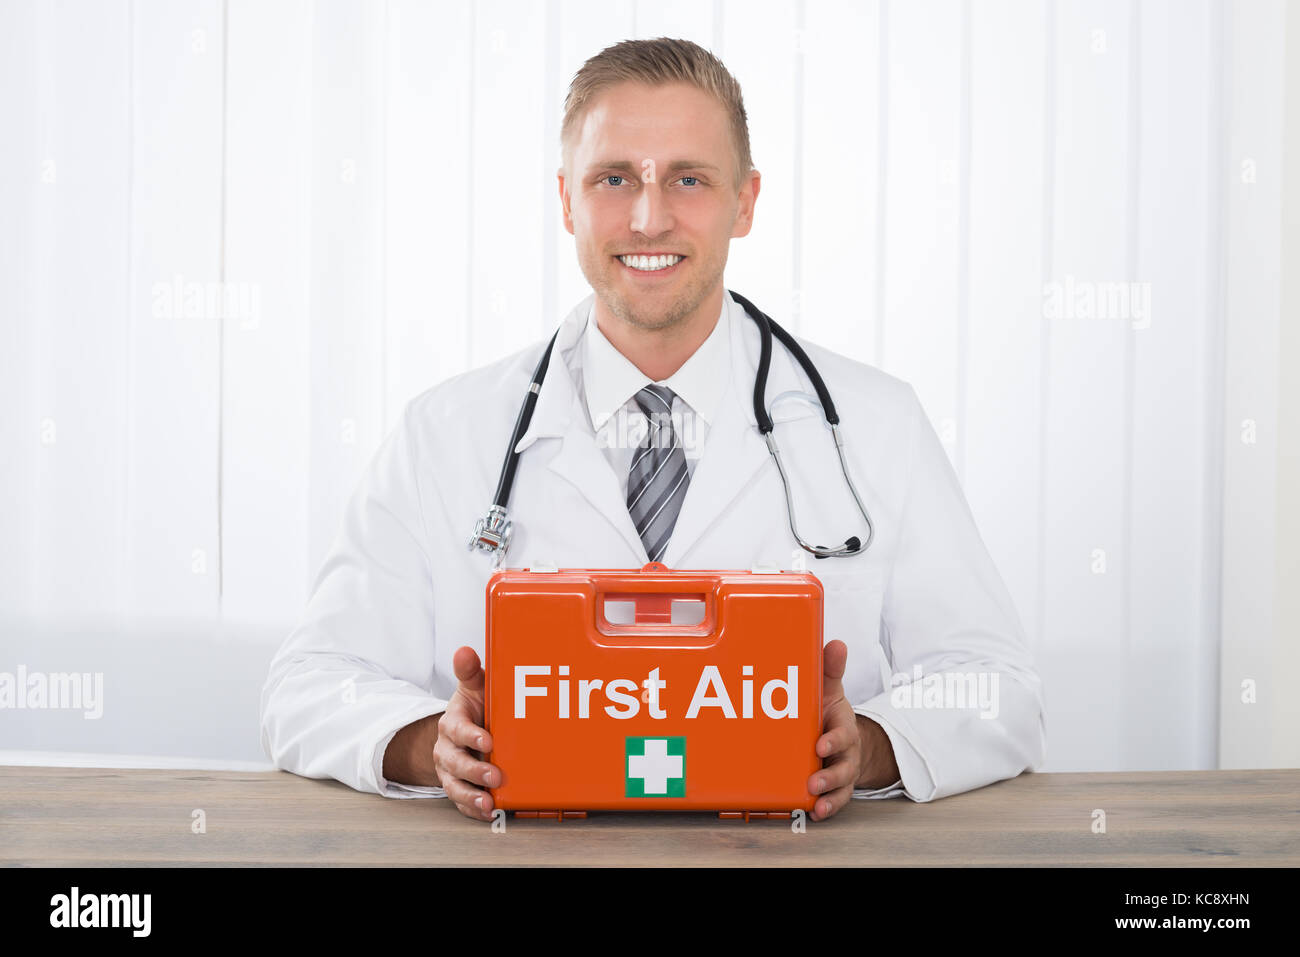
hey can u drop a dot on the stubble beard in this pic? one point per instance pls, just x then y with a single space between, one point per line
705 277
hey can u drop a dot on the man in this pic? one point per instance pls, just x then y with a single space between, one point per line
656 180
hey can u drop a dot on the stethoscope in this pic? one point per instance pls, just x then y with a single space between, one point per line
492 533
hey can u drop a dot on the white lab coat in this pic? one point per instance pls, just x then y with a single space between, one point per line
398 592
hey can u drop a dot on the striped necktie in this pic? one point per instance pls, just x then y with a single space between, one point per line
657 480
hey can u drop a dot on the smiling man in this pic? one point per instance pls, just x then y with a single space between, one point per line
656 181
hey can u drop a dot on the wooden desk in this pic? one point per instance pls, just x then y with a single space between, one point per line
79 816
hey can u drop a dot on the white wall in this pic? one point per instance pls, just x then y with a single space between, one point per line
350 172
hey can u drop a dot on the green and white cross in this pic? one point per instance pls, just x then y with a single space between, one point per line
655 767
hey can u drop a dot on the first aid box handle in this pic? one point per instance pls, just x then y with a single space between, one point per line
651 595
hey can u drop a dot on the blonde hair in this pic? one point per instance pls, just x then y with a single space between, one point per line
657 62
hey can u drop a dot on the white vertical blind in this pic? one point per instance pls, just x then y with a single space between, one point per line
1012 149
841 216
1253 180
236 237
267 372
169 333
1173 387
1082 631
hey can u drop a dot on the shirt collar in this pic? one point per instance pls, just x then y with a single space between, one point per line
610 379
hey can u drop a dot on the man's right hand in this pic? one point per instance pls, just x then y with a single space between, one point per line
458 767
462 741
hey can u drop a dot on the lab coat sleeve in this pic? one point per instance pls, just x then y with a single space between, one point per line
359 666
964 708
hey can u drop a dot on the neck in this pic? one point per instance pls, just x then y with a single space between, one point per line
658 353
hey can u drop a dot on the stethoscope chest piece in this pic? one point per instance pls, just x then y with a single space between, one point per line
492 534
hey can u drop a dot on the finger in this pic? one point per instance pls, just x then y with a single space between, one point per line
839 739
833 777
470 812
453 761
461 764
464 793
831 803
835 658
464 733
468 670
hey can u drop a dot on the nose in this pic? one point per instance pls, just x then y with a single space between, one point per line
651 215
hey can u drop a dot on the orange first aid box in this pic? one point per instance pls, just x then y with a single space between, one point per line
654 689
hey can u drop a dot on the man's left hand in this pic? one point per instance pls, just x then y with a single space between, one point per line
855 750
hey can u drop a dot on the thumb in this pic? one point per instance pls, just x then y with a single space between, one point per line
835 658
469 673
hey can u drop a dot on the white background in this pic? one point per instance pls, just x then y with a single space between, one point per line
373 184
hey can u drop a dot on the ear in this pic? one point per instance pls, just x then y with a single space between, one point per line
565 199
745 207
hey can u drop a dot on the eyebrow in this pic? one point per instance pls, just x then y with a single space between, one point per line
673 167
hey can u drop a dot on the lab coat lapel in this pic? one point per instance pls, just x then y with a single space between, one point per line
580 461
559 415
735 452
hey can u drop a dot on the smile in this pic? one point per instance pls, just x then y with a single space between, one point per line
650 263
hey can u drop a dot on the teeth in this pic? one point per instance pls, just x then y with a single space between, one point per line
649 263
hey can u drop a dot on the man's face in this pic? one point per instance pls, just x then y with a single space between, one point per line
652 171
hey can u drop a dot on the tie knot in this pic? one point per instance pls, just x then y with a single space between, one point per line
655 401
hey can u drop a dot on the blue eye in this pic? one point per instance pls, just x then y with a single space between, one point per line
690 177
613 176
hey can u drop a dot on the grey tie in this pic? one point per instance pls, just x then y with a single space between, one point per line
657 480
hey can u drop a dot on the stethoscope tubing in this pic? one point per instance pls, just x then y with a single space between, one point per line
493 533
